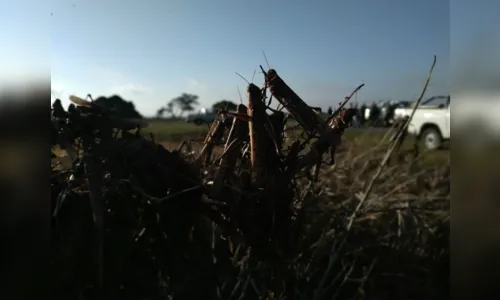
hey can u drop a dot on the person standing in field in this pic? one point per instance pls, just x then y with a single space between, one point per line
330 110
362 111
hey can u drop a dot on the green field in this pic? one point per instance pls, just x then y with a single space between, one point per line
173 132
176 131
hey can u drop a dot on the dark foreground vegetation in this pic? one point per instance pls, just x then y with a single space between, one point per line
135 220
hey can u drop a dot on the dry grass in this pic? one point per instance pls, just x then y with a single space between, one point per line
133 220
398 246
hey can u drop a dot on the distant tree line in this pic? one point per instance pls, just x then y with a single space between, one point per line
175 108
178 106
186 103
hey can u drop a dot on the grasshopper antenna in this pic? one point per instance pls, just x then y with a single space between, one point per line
242 77
265 58
239 93
90 97
253 76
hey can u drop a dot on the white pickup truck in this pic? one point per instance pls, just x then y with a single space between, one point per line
477 117
431 121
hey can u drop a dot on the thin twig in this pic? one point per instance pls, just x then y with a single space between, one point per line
389 151
337 246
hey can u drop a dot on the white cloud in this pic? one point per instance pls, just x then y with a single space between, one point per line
192 83
195 86
107 76
130 89
56 89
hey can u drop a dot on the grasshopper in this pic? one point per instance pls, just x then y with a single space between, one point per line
237 135
278 121
214 134
330 140
303 113
267 173
261 133
258 124
329 131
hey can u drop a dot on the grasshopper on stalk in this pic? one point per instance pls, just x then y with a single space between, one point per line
261 134
278 120
330 140
334 127
272 206
329 131
214 135
303 113
237 135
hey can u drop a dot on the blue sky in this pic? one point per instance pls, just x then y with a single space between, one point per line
152 51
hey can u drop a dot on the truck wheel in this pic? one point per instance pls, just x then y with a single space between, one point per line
198 122
431 137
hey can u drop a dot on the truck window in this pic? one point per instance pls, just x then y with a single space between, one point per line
437 101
